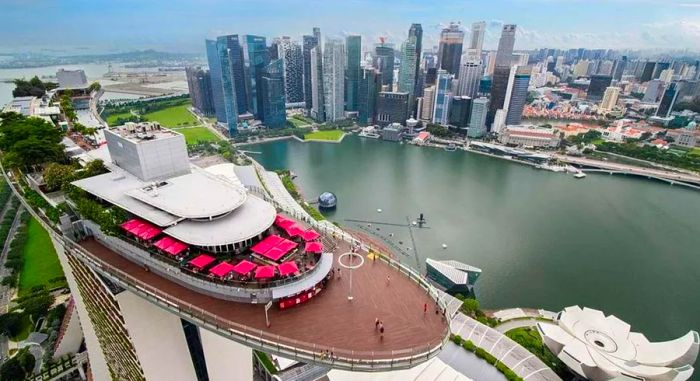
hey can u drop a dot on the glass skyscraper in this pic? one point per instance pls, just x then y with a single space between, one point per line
232 79
407 71
385 63
353 45
308 43
256 58
370 86
517 94
442 97
271 91
216 86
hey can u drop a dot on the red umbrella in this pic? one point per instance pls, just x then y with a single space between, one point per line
264 272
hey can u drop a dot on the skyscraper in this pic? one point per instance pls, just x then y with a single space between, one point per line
609 98
443 95
647 72
517 94
199 86
416 31
407 71
217 89
316 95
428 104
460 109
501 71
256 58
334 79
384 61
668 100
309 42
353 45
291 53
597 87
370 86
619 70
392 107
660 67
271 91
476 41
450 48
232 79
469 77
653 91
477 118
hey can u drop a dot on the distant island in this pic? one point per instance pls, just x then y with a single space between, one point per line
40 60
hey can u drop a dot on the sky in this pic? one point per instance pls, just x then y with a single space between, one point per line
182 26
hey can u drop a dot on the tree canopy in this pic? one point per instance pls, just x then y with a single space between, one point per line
33 87
28 141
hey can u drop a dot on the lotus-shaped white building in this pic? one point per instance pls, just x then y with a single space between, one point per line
600 347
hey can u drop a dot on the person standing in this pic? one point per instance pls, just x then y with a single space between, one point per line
425 308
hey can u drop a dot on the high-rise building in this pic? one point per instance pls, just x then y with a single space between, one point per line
370 86
443 94
233 79
668 100
392 107
199 86
309 42
256 57
459 111
666 75
490 63
469 77
597 87
476 41
319 109
660 67
653 91
317 106
384 61
334 79
271 90
407 71
501 72
428 104
516 94
217 89
275 49
353 45
619 70
416 31
291 53
647 72
581 68
605 68
477 117
610 98
450 49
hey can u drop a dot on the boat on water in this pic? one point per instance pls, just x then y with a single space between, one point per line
370 135
451 147
579 175
452 276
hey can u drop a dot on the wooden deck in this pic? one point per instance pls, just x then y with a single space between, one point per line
330 320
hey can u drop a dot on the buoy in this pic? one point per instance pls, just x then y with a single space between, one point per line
444 246
379 210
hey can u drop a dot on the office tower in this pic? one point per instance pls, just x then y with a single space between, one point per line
430 76
551 65
647 72
316 95
407 71
309 42
660 67
666 75
416 31
320 111
199 86
597 87
477 117
428 103
517 94
605 68
581 69
610 98
353 44
429 60
490 63
619 70
370 86
217 90
271 91
476 41
668 100
450 49
384 61
334 79
520 59
275 49
443 95
459 111
653 91
501 72
559 65
392 107
256 58
469 77
291 53
232 79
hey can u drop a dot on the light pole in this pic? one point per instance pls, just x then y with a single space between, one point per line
350 266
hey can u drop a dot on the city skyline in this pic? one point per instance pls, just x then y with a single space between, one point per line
542 23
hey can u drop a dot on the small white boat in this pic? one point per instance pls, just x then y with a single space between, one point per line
444 246
579 175
379 210
451 147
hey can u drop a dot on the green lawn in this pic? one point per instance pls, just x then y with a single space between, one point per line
529 338
297 122
303 119
112 119
695 151
331 135
197 134
41 266
176 116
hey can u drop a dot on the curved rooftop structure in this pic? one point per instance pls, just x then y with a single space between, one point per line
600 347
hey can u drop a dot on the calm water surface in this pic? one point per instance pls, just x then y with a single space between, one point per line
627 246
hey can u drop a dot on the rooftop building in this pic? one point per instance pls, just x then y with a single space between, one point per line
71 79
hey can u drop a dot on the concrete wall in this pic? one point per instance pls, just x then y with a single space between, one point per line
72 334
226 359
158 338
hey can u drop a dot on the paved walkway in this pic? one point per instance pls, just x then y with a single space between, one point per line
518 323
